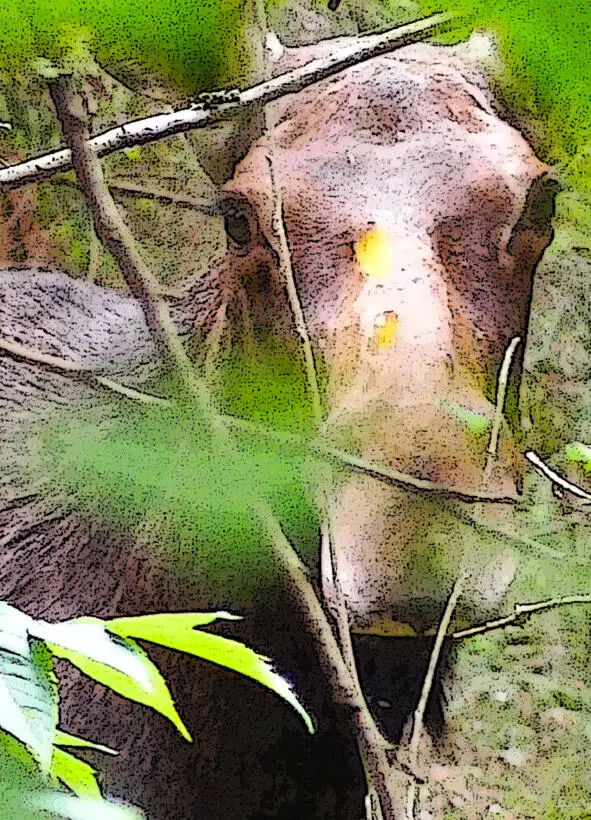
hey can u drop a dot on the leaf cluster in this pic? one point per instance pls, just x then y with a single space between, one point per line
35 764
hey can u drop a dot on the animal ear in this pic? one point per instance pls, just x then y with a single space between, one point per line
533 231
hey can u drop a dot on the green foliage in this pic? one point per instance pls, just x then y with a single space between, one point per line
117 663
32 758
178 631
545 47
27 687
188 45
579 453
32 762
155 470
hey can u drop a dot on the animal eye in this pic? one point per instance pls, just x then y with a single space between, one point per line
237 222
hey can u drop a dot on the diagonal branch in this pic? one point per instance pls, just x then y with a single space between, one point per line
502 382
555 478
316 445
200 115
520 613
419 713
113 232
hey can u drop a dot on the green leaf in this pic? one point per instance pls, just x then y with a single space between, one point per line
177 631
191 44
117 663
579 453
476 423
76 774
28 698
65 739
70 807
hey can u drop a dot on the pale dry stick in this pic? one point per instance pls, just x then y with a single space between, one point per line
521 612
81 371
331 588
29 354
554 477
502 382
214 342
113 232
490 528
419 713
160 126
116 236
372 468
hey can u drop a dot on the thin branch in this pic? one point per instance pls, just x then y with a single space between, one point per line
520 613
201 204
488 528
117 238
419 714
317 446
29 354
94 256
160 126
371 743
68 368
114 234
502 382
554 477
286 269
130 393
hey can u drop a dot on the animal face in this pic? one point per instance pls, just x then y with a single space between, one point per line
414 218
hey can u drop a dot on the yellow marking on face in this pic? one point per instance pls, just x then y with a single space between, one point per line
386 628
374 253
385 330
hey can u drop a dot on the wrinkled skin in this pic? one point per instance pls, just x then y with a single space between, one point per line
403 145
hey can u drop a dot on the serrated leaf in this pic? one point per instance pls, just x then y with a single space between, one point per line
76 774
28 695
118 663
177 631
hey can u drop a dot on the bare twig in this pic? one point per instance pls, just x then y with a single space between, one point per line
201 204
520 613
419 714
317 446
554 477
372 745
74 369
29 354
160 126
117 238
500 404
492 528
114 234
292 293
94 251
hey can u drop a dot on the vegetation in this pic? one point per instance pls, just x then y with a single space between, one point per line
523 696
34 762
